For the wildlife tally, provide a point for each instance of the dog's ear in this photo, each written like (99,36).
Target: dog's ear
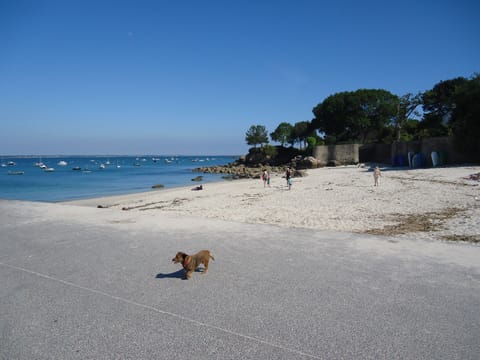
(182,255)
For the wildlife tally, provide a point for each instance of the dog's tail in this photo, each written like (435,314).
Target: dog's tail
(211,256)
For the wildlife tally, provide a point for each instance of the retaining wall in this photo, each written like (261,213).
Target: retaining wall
(393,154)
(344,154)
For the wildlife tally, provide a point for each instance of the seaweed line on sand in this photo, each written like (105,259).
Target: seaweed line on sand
(410,223)
(156,205)
(432,181)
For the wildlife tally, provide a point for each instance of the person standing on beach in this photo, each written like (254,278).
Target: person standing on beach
(376,174)
(288,176)
(266,178)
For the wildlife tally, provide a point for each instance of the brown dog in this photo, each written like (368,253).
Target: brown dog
(191,262)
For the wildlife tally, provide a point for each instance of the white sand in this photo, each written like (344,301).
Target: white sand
(440,202)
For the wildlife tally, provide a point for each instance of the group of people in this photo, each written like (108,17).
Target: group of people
(288,177)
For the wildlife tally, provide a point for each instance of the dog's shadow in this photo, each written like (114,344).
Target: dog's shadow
(180,274)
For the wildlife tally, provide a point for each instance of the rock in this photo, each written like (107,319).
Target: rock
(310,162)
(198,178)
(299,173)
(158,186)
(333,163)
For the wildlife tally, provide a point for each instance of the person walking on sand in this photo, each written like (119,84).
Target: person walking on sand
(288,176)
(376,174)
(266,178)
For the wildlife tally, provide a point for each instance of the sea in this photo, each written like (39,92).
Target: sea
(64,178)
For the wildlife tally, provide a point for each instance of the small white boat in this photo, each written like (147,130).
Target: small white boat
(49,169)
(102,166)
(11,163)
(62,163)
(16,173)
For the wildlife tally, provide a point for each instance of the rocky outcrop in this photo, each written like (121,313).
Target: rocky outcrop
(308,162)
(253,164)
(240,171)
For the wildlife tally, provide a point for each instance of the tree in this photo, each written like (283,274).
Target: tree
(465,119)
(360,115)
(438,106)
(282,133)
(257,134)
(407,107)
(301,132)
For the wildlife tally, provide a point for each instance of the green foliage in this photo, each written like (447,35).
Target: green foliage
(407,107)
(409,130)
(312,141)
(301,130)
(269,151)
(330,140)
(465,119)
(282,133)
(439,101)
(451,107)
(438,106)
(354,116)
(257,134)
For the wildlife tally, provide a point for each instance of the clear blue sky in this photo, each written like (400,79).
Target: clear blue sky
(191,76)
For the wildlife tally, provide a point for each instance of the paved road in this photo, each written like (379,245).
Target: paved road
(76,288)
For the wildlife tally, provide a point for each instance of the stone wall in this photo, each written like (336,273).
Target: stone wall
(379,153)
(390,153)
(343,154)
(426,147)
(393,154)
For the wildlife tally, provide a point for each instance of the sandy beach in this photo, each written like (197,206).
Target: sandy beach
(432,204)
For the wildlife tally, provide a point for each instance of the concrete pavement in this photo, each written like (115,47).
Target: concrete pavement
(99,285)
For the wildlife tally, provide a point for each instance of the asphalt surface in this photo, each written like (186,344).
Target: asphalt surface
(106,289)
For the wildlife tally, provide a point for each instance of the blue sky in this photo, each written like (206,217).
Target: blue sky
(191,76)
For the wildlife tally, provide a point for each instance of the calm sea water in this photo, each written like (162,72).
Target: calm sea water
(99,176)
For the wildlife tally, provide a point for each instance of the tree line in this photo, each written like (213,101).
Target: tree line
(450,108)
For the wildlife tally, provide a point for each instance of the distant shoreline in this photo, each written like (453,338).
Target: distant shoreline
(110,156)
